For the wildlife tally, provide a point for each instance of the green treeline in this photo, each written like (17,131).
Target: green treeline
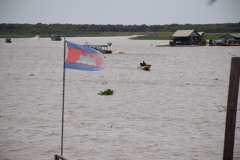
(79,30)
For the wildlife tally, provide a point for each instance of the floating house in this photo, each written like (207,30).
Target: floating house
(233,38)
(188,37)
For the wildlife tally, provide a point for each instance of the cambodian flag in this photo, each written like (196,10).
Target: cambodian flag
(83,58)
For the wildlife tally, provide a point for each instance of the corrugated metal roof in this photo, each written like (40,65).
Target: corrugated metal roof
(182,33)
(237,35)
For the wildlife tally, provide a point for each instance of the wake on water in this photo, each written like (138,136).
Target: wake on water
(37,37)
(120,51)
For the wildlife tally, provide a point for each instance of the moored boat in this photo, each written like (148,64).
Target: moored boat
(102,48)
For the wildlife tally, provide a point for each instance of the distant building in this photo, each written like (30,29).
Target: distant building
(233,38)
(188,37)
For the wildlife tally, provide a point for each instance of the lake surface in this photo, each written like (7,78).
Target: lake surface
(174,111)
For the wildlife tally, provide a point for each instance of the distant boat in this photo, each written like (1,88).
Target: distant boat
(102,48)
(56,37)
(8,40)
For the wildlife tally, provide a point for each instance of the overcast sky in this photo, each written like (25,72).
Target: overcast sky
(126,12)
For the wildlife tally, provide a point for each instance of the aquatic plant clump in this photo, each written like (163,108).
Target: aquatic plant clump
(106,92)
(146,68)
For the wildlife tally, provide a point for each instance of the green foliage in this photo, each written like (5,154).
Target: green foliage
(213,35)
(92,30)
(106,92)
(146,68)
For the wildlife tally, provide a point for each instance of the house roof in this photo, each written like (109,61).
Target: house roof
(236,35)
(184,33)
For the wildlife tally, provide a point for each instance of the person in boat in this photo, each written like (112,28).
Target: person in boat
(143,63)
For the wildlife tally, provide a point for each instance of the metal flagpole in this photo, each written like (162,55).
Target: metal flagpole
(63,94)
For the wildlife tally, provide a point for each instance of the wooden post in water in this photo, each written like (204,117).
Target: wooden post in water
(231,109)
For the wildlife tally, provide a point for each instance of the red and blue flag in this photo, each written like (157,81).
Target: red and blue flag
(83,58)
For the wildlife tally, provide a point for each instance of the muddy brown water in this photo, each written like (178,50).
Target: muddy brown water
(174,111)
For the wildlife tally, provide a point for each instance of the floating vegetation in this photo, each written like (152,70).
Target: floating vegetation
(106,92)
(146,68)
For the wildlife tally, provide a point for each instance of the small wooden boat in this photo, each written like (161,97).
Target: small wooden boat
(145,67)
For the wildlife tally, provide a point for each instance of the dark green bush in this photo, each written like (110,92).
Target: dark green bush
(106,92)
